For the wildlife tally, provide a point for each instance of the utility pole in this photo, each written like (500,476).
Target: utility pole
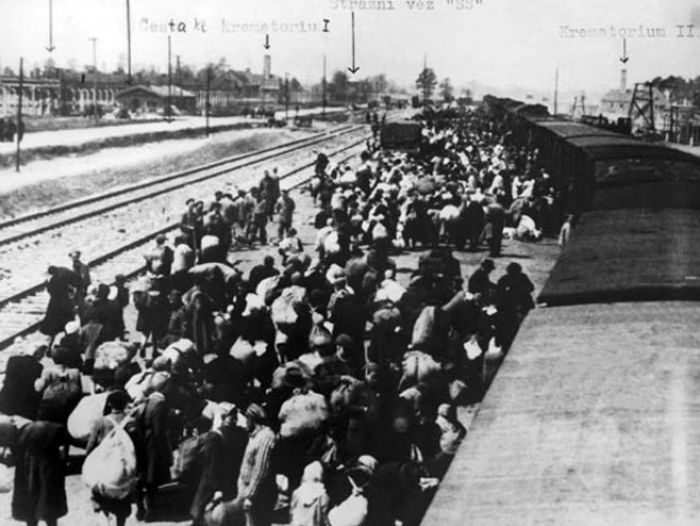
(206,100)
(324,85)
(128,39)
(177,70)
(19,112)
(556,90)
(170,82)
(94,78)
(286,97)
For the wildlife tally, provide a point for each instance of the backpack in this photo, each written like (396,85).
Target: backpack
(187,461)
(110,469)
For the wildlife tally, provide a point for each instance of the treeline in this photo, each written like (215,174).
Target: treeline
(339,86)
(680,90)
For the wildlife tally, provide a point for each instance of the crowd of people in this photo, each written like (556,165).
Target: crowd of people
(315,389)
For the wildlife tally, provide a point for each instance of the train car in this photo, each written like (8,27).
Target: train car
(594,415)
(401,135)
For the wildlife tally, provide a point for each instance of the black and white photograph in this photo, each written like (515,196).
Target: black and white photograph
(350,262)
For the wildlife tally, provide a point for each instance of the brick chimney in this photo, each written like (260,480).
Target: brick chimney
(623,80)
(267,67)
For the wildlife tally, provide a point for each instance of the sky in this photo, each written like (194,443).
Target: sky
(495,43)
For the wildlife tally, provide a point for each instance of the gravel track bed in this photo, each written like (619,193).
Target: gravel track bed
(23,263)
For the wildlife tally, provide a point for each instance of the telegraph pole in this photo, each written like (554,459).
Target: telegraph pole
(94,78)
(128,40)
(324,84)
(206,99)
(286,96)
(19,112)
(168,117)
(556,90)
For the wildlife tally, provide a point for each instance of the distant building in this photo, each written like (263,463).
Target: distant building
(154,99)
(616,103)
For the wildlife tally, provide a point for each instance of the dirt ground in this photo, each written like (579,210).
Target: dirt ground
(536,259)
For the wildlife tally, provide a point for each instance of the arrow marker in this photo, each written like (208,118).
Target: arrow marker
(51,46)
(624,58)
(354,68)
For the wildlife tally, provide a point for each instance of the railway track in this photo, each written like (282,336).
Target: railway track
(22,311)
(19,228)
(108,224)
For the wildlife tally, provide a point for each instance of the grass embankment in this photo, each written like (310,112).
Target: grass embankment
(53,192)
(51,152)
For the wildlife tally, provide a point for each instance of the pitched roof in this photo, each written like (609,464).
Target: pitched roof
(159,91)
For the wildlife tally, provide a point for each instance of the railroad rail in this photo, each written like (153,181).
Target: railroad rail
(22,312)
(19,228)
(115,224)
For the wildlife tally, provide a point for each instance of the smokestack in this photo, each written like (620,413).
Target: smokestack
(267,67)
(623,80)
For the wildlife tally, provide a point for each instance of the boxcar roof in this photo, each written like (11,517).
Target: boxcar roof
(568,129)
(617,146)
(593,418)
(628,255)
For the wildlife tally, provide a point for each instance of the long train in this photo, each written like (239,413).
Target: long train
(594,415)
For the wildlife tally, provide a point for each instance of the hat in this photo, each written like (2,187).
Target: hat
(320,337)
(161,238)
(367,463)
(256,414)
(60,355)
(488,263)
(74,254)
(344,341)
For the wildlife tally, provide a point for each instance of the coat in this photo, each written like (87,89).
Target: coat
(152,421)
(60,308)
(39,483)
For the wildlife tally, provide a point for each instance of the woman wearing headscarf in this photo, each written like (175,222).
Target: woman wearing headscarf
(310,502)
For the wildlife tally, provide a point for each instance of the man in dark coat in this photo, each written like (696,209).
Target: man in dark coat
(479,282)
(261,272)
(219,457)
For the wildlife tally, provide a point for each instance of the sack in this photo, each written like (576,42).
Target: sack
(283,311)
(110,469)
(418,367)
(352,511)
(225,513)
(88,411)
(302,412)
(424,328)
(186,457)
(111,355)
(449,213)
(351,393)
(281,375)
(61,396)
